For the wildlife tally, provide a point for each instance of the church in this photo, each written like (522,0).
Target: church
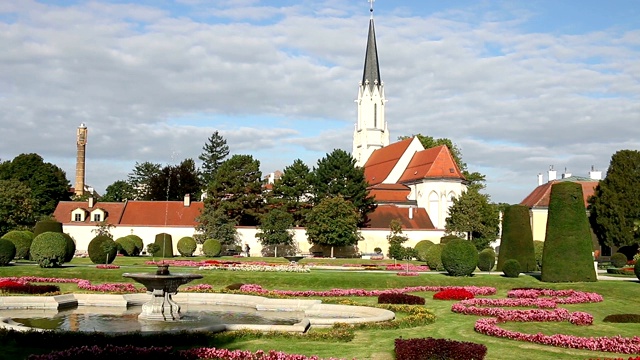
(408,181)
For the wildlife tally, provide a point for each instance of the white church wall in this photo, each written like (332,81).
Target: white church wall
(426,194)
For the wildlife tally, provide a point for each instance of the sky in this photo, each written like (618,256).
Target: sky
(518,86)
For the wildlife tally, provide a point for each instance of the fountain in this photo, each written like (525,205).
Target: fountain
(161,286)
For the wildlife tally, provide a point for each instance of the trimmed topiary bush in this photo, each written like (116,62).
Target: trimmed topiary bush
(623,318)
(70,249)
(44,226)
(433,257)
(137,241)
(459,257)
(22,242)
(49,249)
(102,250)
(511,268)
(445,239)
(618,260)
(567,255)
(212,248)
(421,249)
(486,259)
(126,246)
(517,238)
(187,246)
(7,251)
(636,269)
(165,242)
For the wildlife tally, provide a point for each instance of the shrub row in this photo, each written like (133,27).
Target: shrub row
(21,240)
(430,348)
(7,251)
(622,318)
(405,299)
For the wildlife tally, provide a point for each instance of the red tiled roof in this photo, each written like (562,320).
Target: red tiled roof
(114,211)
(160,213)
(539,197)
(390,193)
(381,162)
(435,162)
(382,216)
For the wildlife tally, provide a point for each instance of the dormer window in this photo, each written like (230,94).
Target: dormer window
(77,217)
(97,217)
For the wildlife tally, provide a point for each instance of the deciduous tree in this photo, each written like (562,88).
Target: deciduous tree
(119,191)
(17,206)
(174,181)
(472,215)
(333,222)
(140,177)
(214,224)
(275,228)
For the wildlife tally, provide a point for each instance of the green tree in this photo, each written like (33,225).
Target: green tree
(337,175)
(103,228)
(474,179)
(396,239)
(567,253)
(214,153)
(48,183)
(615,205)
(118,191)
(275,228)
(472,215)
(517,238)
(333,222)
(293,190)
(214,224)
(174,181)
(236,189)
(140,177)
(17,206)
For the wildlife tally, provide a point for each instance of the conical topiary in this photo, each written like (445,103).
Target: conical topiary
(165,242)
(567,250)
(517,239)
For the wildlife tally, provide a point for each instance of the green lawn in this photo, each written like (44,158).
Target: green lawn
(620,297)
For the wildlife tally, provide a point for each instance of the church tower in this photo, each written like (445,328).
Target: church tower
(81,142)
(370,131)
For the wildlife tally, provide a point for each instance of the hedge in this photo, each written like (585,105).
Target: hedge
(102,250)
(567,254)
(517,238)
(49,249)
(459,257)
(22,242)
(618,260)
(187,246)
(511,268)
(44,226)
(137,241)
(126,246)
(212,248)
(165,242)
(7,251)
(486,259)
(70,249)
(421,249)
(433,257)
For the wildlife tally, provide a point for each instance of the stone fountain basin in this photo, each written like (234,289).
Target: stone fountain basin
(316,313)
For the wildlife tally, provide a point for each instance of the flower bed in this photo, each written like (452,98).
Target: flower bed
(82,284)
(259,290)
(453,294)
(107,266)
(430,348)
(404,273)
(407,267)
(15,287)
(405,299)
(290,267)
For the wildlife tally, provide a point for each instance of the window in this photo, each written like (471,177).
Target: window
(77,217)
(96,217)
(375,116)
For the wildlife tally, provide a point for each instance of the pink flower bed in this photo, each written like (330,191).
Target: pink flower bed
(82,284)
(257,289)
(559,296)
(107,266)
(404,273)
(407,267)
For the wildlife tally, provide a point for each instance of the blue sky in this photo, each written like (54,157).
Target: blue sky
(517,85)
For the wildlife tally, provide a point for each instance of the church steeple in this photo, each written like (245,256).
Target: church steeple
(371,131)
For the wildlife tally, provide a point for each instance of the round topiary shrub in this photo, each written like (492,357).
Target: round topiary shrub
(126,246)
(165,242)
(433,257)
(137,241)
(44,226)
(187,246)
(636,269)
(211,248)
(70,248)
(102,250)
(486,259)
(618,260)
(7,251)
(421,249)
(511,268)
(49,249)
(459,257)
(445,239)
(22,242)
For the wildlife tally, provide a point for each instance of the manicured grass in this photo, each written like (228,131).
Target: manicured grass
(619,297)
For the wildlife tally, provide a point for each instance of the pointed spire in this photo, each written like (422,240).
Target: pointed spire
(371,75)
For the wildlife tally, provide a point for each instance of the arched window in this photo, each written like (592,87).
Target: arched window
(450,198)
(375,116)
(434,209)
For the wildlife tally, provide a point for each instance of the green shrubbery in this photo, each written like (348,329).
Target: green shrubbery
(511,268)
(7,251)
(538,248)
(70,249)
(126,246)
(49,249)
(486,259)
(165,242)
(459,257)
(102,250)
(211,248)
(187,246)
(567,255)
(137,241)
(22,242)
(636,269)
(517,238)
(421,249)
(618,260)
(433,257)
(445,239)
(44,226)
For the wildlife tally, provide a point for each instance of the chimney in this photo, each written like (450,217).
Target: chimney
(411,213)
(90,202)
(552,173)
(81,145)
(595,174)
(539,179)
(187,200)
(566,174)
